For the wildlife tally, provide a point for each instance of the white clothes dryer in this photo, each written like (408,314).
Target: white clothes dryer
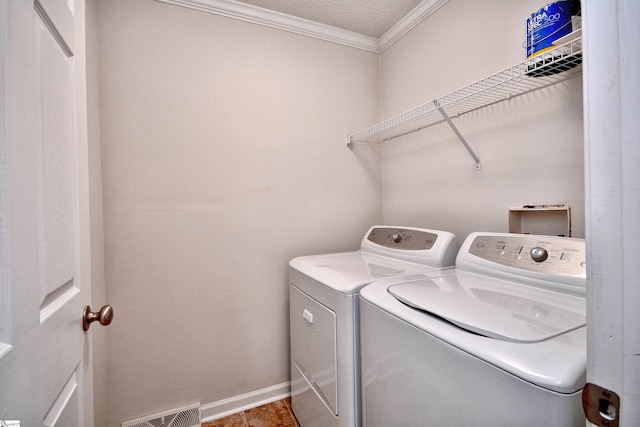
(324,316)
(498,341)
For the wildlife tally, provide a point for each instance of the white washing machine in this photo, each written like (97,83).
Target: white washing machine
(324,316)
(498,341)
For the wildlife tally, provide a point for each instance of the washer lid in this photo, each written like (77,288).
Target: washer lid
(495,308)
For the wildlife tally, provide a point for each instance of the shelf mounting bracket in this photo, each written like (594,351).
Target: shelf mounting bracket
(458,134)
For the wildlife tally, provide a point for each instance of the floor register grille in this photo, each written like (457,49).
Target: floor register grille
(186,416)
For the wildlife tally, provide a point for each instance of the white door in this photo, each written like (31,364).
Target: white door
(45,366)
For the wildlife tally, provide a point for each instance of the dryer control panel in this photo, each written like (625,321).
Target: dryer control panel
(402,238)
(433,248)
(544,254)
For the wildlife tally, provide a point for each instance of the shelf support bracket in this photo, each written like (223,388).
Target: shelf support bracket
(458,134)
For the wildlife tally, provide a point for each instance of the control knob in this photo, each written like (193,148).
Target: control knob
(539,254)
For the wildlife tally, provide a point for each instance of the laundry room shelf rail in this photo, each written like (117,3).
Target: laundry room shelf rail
(549,68)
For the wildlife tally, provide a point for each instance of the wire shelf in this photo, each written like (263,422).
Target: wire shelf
(546,69)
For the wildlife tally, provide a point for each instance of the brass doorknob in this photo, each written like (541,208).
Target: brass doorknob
(104,316)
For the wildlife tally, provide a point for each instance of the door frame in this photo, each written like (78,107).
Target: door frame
(612,180)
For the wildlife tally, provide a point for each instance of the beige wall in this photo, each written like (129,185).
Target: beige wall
(531,148)
(223,157)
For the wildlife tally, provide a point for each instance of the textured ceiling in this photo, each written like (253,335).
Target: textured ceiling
(369,17)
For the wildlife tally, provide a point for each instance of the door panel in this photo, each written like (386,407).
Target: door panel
(65,410)
(56,141)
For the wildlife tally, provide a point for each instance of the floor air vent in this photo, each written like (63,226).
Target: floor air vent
(187,416)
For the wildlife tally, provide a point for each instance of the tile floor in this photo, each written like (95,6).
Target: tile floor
(275,414)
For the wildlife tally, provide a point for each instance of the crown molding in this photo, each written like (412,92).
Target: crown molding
(282,21)
(421,12)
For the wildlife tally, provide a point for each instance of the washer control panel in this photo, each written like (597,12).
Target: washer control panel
(547,254)
(402,238)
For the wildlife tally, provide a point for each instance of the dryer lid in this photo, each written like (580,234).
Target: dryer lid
(348,272)
(495,308)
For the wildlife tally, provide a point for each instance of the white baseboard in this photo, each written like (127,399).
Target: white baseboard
(223,408)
